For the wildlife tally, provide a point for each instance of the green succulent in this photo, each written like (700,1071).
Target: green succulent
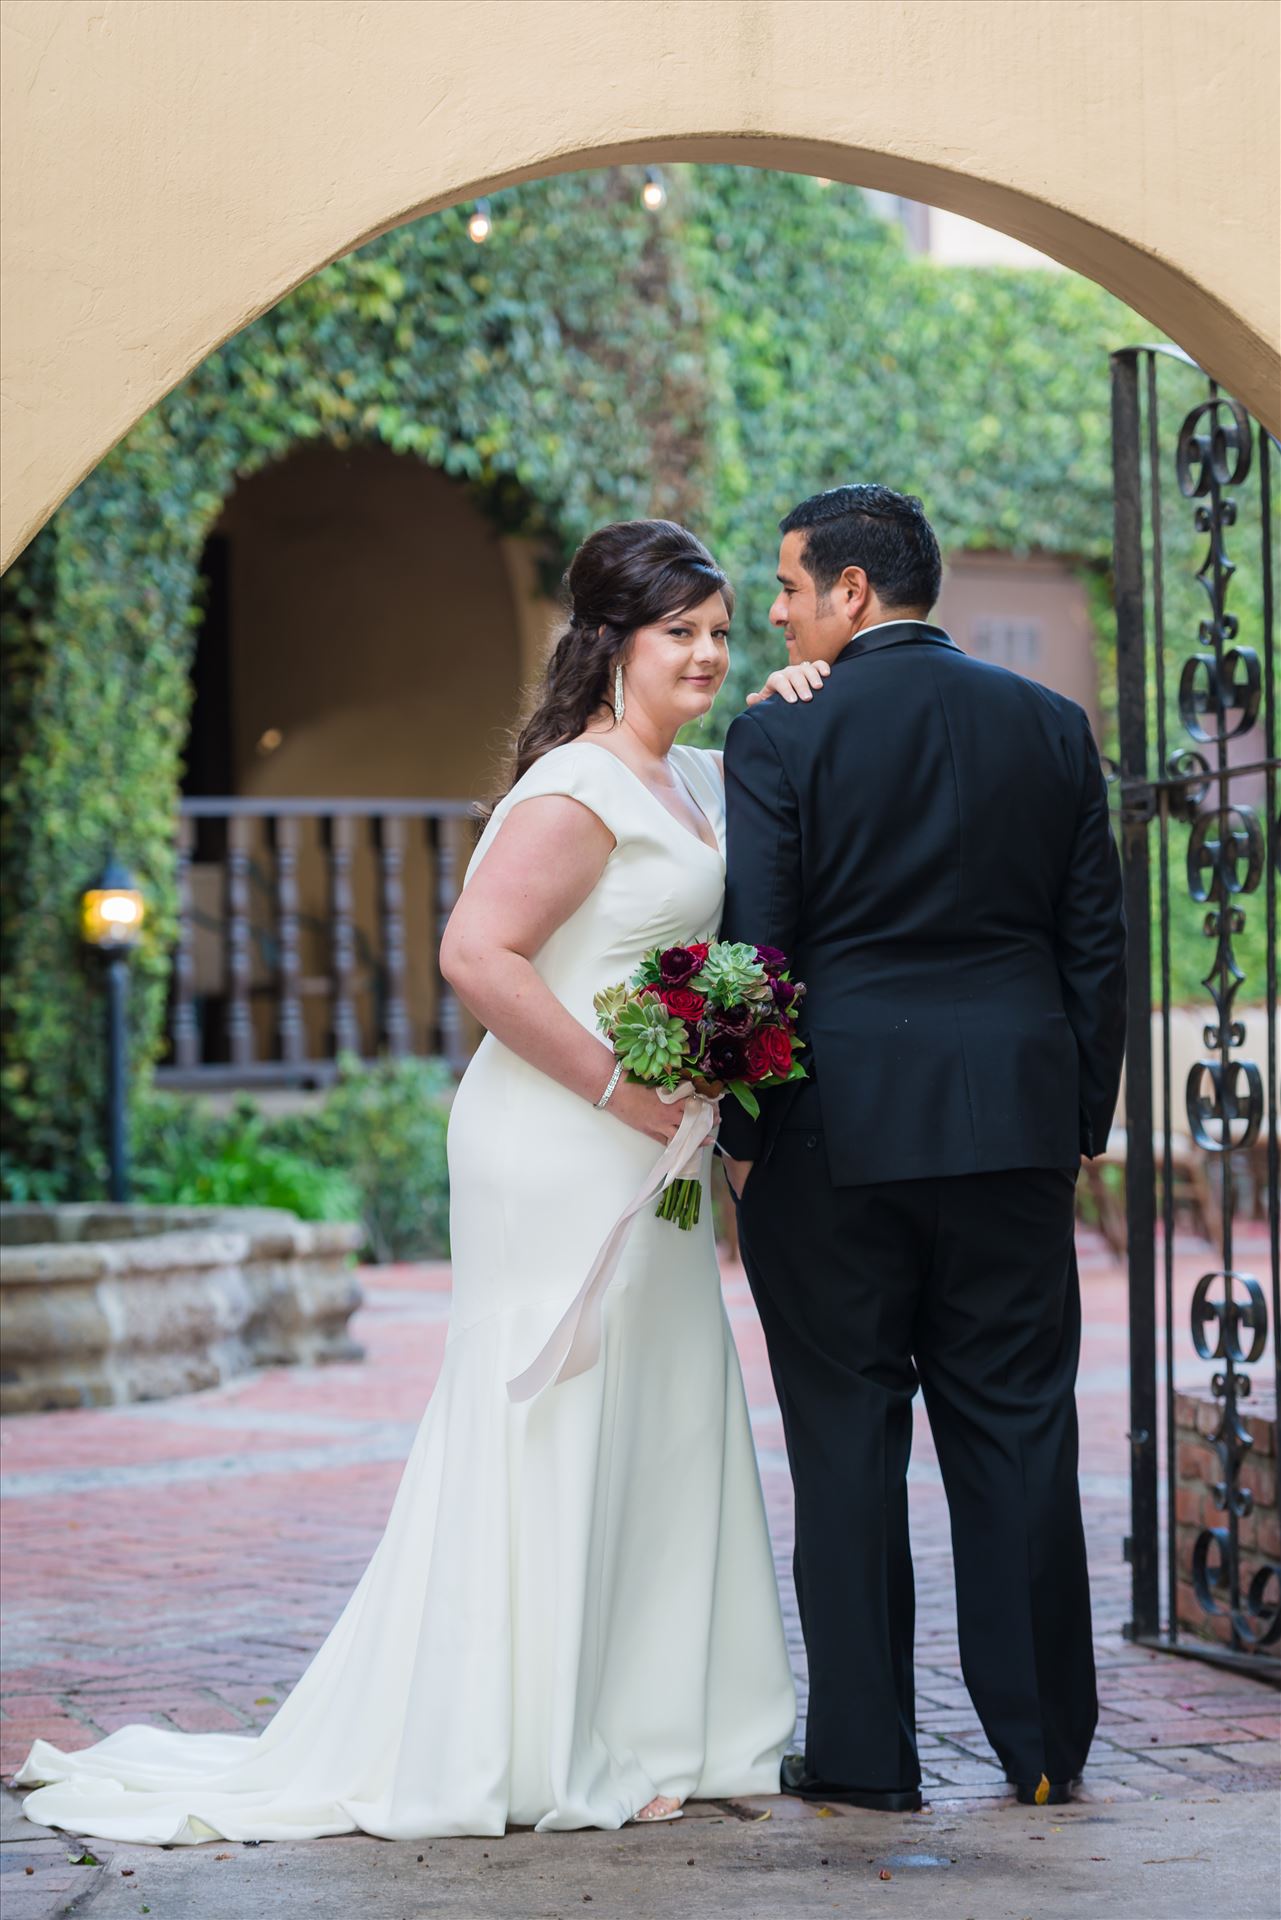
(731,974)
(650,1041)
(609,1004)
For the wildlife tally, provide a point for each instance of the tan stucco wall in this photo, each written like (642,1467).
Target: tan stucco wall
(171,167)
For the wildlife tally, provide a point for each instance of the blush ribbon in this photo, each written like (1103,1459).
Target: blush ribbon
(573,1346)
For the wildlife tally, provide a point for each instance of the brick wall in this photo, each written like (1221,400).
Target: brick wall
(1198,1467)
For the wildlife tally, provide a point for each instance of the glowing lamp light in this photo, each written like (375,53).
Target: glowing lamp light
(653,193)
(112,913)
(481,224)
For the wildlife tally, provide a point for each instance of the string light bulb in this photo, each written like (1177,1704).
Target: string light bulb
(653,193)
(481,224)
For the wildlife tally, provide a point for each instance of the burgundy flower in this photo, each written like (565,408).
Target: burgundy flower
(734,1020)
(725,1058)
(680,964)
(772,959)
(786,994)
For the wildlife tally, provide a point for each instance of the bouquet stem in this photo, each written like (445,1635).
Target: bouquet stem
(681,1203)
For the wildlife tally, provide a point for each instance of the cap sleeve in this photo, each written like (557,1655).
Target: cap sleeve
(590,775)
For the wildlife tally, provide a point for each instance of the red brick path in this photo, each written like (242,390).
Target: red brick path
(179,1562)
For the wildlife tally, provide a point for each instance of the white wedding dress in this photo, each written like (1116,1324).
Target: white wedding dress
(573,1606)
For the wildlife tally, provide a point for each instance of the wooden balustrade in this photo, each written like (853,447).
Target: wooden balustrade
(308,929)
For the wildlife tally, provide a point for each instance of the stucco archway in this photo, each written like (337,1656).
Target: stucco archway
(172,168)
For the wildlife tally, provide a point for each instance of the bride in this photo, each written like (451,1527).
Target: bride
(571,1619)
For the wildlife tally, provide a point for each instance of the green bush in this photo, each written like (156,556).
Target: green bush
(371,1149)
(186,1156)
(383,1127)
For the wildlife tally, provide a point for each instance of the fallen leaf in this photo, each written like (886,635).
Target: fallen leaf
(886,1874)
(126,1873)
(266,1700)
(222,1856)
(84,1859)
(28,1869)
(824,1813)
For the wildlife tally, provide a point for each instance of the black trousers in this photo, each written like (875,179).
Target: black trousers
(968,1285)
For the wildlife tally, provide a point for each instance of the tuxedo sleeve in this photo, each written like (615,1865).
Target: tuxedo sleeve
(763,877)
(1090,941)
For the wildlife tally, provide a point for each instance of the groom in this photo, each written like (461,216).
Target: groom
(928,841)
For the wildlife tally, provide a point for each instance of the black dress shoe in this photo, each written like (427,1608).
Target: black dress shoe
(793,1778)
(1043,1792)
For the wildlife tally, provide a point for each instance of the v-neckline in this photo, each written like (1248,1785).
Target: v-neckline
(700,810)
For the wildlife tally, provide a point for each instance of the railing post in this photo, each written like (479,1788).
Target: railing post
(390,830)
(289,1021)
(1140,1181)
(449,1019)
(185,1032)
(240,1026)
(345,1027)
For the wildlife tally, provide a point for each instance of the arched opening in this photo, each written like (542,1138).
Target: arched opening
(361,620)
(364,637)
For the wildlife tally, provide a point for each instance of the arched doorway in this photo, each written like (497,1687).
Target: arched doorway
(364,639)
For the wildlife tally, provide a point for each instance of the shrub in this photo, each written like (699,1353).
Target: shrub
(383,1125)
(186,1156)
(372,1149)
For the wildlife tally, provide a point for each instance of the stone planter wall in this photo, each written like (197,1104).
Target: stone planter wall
(103,1304)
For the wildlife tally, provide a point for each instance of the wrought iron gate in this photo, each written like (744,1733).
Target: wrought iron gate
(1199,793)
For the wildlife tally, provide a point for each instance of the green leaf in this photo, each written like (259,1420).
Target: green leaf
(745,1097)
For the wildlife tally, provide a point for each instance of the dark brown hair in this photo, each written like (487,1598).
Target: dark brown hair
(623,577)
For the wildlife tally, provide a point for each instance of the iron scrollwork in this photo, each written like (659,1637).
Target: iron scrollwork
(1210,711)
(1220,695)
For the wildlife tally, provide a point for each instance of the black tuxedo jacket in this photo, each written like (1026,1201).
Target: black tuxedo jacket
(928,841)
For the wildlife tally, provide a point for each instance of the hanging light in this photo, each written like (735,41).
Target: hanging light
(481,225)
(653,193)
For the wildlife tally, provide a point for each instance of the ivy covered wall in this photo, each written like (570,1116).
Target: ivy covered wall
(761,338)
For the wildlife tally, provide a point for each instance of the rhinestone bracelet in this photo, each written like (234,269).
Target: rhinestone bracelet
(614,1079)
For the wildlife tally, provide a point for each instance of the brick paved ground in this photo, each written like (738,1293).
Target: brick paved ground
(179,1562)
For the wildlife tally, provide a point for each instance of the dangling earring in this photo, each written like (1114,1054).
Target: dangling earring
(619,708)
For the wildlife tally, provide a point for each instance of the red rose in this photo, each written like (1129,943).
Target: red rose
(769,1052)
(683,1002)
(700,950)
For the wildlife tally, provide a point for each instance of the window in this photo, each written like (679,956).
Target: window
(1008,643)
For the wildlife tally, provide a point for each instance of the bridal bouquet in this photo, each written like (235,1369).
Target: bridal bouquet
(719,1016)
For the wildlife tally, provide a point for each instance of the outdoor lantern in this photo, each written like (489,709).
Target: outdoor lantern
(480,226)
(653,193)
(111,920)
(112,913)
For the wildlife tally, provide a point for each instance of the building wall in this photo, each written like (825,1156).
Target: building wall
(374,628)
(171,169)
(1025,612)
